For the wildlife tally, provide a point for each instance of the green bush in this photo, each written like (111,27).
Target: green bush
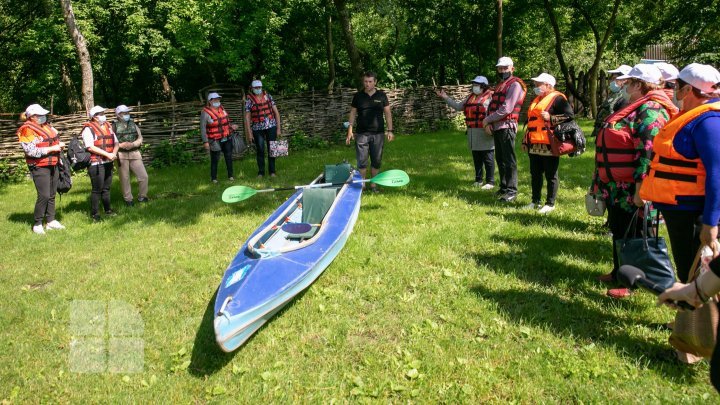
(12,172)
(174,153)
(299,140)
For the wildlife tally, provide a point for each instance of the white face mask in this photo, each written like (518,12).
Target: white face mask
(257,92)
(538,91)
(216,104)
(126,117)
(41,119)
(678,103)
(101,118)
(476,90)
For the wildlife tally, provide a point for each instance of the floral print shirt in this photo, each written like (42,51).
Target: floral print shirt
(643,124)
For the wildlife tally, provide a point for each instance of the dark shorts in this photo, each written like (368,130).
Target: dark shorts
(369,145)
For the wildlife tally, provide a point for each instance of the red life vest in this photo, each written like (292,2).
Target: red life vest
(498,98)
(48,137)
(539,131)
(615,148)
(671,174)
(104,139)
(261,108)
(474,109)
(220,127)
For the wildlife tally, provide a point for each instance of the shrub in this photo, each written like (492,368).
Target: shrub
(12,172)
(299,140)
(175,153)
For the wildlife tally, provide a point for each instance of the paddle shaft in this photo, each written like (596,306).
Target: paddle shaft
(319,185)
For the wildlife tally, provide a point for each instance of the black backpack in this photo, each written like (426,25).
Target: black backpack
(64,180)
(77,155)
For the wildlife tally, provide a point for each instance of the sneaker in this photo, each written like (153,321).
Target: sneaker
(231,178)
(500,193)
(143,199)
(530,206)
(38,229)
(260,176)
(606,278)
(54,224)
(130,203)
(477,184)
(273,175)
(96,218)
(546,209)
(619,293)
(214,181)
(488,186)
(508,198)
(110,213)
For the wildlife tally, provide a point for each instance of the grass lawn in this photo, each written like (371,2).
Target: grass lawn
(441,294)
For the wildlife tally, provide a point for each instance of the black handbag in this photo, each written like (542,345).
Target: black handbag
(648,253)
(569,139)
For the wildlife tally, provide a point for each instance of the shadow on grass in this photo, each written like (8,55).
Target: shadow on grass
(571,318)
(531,218)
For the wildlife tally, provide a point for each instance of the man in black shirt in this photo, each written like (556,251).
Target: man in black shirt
(369,106)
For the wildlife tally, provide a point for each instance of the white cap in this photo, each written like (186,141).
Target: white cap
(256,83)
(122,108)
(504,61)
(644,72)
(35,109)
(95,110)
(702,77)
(213,95)
(669,72)
(545,78)
(480,80)
(622,69)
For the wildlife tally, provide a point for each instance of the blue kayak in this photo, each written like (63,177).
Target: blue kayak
(286,254)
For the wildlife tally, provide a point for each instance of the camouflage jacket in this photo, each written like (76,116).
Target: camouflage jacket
(612,103)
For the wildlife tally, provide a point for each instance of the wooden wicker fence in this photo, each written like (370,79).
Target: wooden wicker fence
(314,114)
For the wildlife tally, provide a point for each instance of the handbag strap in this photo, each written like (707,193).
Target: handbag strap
(694,273)
(633,224)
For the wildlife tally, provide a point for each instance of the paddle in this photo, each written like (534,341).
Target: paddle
(390,178)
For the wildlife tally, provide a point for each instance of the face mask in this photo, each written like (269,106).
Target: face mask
(41,119)
(538,91)
(624,93)
(678,102)
(126,117)
(216,104)
(504,75)
(614,87)
(257,92)
(101,118)
(476,90)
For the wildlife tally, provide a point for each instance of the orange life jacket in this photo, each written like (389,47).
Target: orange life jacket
(498,98)
(104,139)
(539,131)
(220,127)
(49,137)
(671,174)
(261,108)
(474,109)
(615,148)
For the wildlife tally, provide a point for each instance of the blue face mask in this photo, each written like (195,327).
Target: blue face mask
(537,90)
(41,119)
(614,87)
(216,104)
(257,92)
(126,117)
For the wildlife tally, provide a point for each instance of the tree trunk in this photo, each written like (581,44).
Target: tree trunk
(352,50)
(498,8)
(167,89)
(330,52)
(71,98)
(83,55)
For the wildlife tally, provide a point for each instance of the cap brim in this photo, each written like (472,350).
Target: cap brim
(623,77)
(503,64)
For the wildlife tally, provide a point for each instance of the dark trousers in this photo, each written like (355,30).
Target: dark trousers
(544,166)
(715,363)
(505,156)
(101,180)
(45,179)
(684,239)
(262,143)
(619,220)
(484,159)
(226,149)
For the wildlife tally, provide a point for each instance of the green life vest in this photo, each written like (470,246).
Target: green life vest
(125,131)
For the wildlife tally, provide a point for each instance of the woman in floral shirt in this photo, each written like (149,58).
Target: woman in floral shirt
(648,110)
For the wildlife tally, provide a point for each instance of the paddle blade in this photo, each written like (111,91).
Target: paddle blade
(237,193)
(391,178)
(296,227)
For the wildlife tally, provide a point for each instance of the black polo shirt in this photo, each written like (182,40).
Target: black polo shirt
(370,111)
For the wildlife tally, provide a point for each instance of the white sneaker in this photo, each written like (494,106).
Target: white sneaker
(54,224)
(477,184)
(38,229)
(546,209)
(530,206)
(487,187)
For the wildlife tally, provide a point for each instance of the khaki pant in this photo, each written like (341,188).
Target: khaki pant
(138,169)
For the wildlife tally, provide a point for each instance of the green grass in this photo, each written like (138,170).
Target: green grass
(441,294)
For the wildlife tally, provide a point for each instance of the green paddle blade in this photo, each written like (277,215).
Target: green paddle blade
(391,178)
(237,193)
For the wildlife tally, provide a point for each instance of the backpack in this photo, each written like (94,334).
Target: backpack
(64,180)
(77,155)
